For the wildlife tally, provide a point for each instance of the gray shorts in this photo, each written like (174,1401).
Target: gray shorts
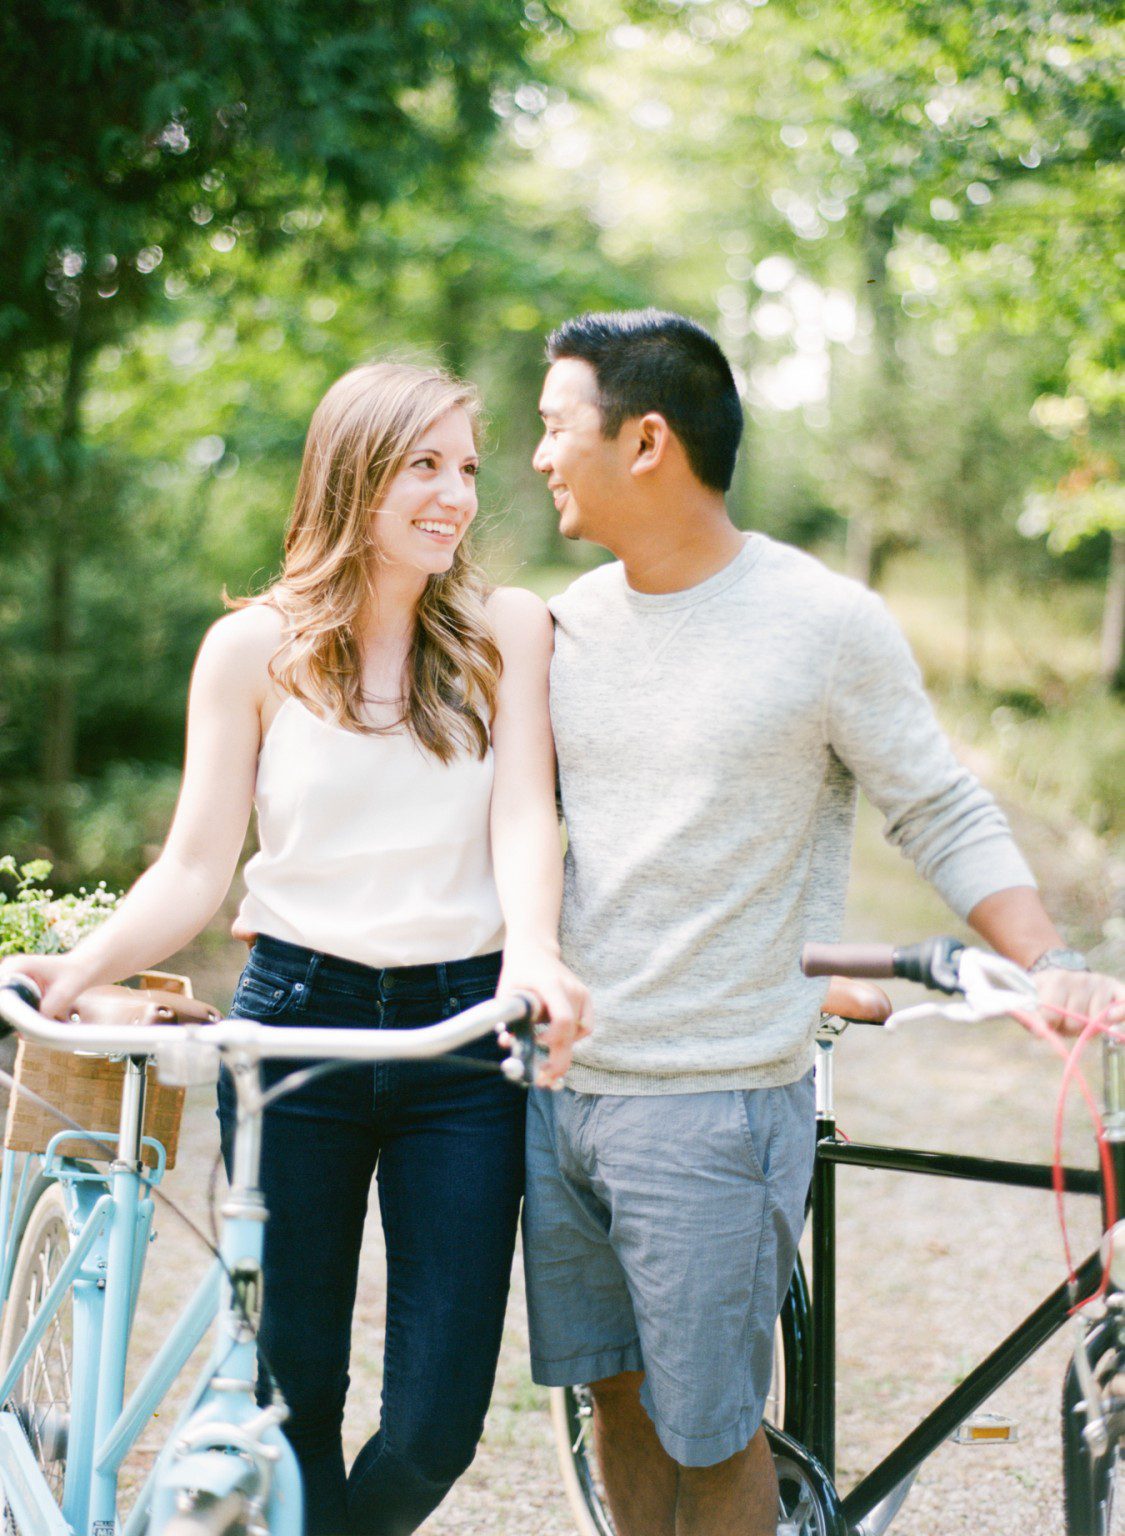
(660,1234)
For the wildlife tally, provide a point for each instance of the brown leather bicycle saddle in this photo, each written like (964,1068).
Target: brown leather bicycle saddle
(133,1005)
(860,1001)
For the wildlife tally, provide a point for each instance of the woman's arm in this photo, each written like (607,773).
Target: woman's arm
(526,848)
(179,894)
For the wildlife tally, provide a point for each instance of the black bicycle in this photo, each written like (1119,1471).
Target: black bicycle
(801,1415)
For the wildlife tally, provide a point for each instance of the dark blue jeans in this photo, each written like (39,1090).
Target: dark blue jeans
(445,1142)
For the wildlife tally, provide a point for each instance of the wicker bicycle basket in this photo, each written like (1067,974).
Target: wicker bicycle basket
(88,1089)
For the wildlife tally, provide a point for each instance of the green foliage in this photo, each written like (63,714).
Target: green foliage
(861,193)
(143,152)
(34,921)
(120,817)
(1067,762)
(1073,514)
(139,138)
(901,221)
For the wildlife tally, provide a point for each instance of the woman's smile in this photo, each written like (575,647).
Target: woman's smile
(442,529)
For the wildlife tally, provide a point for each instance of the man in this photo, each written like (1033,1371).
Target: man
(716,696)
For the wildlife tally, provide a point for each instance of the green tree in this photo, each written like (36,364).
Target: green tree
(138,147)
(952,167)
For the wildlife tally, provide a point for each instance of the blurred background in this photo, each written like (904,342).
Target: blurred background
(901,219)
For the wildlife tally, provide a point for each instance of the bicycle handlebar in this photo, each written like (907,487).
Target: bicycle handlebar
(934,962)
(246,1036)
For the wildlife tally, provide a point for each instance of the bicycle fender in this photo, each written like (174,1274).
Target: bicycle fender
(788,1453)
(214,1472)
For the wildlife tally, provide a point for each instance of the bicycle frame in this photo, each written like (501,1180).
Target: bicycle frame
(873,1501)
(110,1217)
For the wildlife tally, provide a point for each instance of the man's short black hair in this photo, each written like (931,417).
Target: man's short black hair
(653,360)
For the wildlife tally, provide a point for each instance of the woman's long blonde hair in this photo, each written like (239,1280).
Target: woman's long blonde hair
(358,439)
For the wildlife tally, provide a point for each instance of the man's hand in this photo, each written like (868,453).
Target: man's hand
(1016,924)
(1087,993)
(565,1001)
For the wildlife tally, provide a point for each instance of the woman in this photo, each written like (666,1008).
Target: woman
(388,718)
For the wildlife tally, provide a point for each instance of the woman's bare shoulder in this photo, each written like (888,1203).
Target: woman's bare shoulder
(240,646)
(521,624)
(517,611)
(248,630)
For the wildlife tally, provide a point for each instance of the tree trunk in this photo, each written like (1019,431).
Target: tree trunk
(878,242)
(456,311)
(974,611)
(859,549)
(1113,620)
(59,726)
(867,528)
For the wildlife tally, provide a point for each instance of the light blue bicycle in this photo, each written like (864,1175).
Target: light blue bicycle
(73,1239)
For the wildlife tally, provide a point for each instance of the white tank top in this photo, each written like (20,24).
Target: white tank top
(370,848)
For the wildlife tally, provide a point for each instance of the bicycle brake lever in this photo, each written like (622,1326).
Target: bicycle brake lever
(991,987)
(920,1013)
(994,987)
(979,968)
(518,1039)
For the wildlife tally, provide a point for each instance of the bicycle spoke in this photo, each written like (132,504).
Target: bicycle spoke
(64,1355)
(40,1370)
(61,1331)
(55,1348)
(44,1286)
(44,1373)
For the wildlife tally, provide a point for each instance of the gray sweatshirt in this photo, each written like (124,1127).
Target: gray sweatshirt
(710,742)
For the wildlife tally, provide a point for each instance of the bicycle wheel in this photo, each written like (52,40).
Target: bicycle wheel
(572,1417)
(1091,1504)
(40,1398)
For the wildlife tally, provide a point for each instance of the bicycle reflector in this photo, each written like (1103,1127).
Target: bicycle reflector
(985,1429)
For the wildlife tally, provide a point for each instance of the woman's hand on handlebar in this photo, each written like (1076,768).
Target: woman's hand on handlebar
(565,1003)
(60,978)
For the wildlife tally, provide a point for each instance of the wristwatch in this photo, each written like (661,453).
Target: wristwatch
(1060,959)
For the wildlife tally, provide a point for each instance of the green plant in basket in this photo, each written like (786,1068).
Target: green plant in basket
(34,921)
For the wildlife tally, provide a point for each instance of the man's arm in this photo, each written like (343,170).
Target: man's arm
(881,724)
